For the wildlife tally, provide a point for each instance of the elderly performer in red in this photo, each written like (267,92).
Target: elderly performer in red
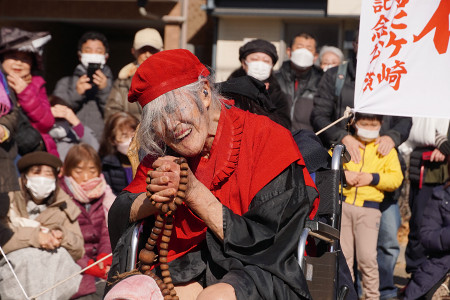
(247,199)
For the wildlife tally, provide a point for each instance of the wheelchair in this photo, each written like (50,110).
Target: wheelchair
(321,269)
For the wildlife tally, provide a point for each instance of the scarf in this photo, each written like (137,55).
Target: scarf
(5,103)
(87,191)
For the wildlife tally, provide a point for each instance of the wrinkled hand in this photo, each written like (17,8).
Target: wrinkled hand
(100,79)
(16,83)
(48,241)
(163,181)
(385,144)
(83,84)
(352,145)
(64,112)
(364,179)
(437,156)
(351,177)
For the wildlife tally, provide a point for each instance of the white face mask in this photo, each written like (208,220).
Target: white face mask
(302,57)
(123,147)
(95,58)
(367,135)
(40,187)
(258,69)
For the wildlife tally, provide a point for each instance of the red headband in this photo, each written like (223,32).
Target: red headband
(163,72)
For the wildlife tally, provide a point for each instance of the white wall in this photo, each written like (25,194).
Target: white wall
(233,32)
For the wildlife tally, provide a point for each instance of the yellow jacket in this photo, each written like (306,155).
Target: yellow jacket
(387,176)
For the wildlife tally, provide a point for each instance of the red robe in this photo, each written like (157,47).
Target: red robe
(247,153)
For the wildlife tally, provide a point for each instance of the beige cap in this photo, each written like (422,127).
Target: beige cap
(147,37)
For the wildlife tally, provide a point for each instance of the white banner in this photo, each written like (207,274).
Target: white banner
(404,58)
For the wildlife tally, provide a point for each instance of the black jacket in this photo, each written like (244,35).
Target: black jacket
(114,173)
(280,113)
(328,108)
(300,100)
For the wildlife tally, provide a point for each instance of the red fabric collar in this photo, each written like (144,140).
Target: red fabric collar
(248,152)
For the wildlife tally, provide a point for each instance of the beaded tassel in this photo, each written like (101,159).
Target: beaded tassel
(164,225)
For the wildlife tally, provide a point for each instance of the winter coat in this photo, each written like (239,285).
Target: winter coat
(328,108)
(114,173)
(90,106)
(8,150)
(277,97)
(435,237)
(386,172)
(300,100)
(118,98)
(96,238)
(61,214)
(34,102)
(66,136)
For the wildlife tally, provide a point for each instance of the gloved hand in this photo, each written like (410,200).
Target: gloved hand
(96,270)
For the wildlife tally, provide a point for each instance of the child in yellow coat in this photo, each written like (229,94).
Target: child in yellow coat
(366,183)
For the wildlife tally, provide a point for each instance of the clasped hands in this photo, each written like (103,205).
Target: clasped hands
(164,179)
(50,240)
(358,179)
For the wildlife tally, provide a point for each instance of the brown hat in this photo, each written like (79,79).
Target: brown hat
(12,38)
(38,158)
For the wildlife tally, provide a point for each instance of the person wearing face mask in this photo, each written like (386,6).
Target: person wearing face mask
(298,78)
(68,129)
(84,182)
(329,57)
(329,105)
(366,183)
(257,59)
(147,42)
(46,238)
(87,96)
(116,166)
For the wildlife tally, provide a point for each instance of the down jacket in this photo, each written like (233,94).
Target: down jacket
(435,237)
(34,102)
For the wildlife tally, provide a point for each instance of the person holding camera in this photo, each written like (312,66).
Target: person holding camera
(87,90)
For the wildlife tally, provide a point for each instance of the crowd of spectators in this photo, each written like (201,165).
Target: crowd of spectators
(66,157)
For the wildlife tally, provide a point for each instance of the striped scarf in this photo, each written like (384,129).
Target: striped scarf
(87,191)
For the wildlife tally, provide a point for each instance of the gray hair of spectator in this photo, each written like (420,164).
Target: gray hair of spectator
(331,49)
(159,113)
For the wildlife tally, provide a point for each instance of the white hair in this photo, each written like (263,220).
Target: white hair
(333,50)
(160,112)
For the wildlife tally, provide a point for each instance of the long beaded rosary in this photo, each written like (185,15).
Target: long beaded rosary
(164,225)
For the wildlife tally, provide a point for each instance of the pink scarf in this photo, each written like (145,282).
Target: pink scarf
(91,190)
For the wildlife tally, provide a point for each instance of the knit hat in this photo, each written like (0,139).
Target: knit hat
(38,158)
(336,51)
(258,45)
(12,38)
(147,37)
(163,72)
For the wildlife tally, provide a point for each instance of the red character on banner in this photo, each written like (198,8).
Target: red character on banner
(394,42)
(401,3)
(377,50)
(380,5)
(398,16)
(380,28)
(392,75)
(440,21)
(368,81)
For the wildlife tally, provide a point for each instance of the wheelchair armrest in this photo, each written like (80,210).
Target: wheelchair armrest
(322,231)
(132,254)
